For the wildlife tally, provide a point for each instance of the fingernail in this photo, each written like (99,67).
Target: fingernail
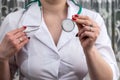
(77,35)
(74,19)
(24,27)
(28,37)
(76,15)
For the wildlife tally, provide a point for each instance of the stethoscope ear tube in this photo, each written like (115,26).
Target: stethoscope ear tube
(32,1)
(80,7)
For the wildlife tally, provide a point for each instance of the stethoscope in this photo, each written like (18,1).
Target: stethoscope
(67,24)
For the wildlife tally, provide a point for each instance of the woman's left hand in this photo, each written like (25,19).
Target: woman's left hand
(88,31)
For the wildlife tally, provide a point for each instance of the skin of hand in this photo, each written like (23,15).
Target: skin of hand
(88,31)
(11,43)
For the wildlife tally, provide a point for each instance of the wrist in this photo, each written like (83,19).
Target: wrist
(4,62)
(2,58)
(90,50)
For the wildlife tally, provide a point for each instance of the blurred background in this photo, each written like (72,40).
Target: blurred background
(109,10)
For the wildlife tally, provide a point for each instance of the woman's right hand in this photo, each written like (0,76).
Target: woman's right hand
(12,43)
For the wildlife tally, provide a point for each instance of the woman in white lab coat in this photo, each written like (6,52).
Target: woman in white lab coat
(43,50)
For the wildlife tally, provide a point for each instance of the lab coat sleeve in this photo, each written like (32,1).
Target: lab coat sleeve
(4,28)
(103,44)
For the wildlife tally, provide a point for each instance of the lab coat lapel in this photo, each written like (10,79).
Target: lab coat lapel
(67,36)
(32,18)
(44,36)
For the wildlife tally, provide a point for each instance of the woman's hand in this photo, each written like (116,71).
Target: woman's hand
(88,31)
(12,43)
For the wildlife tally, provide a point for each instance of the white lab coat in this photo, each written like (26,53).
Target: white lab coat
(40,59)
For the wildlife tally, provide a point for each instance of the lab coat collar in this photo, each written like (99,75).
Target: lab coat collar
(33,17)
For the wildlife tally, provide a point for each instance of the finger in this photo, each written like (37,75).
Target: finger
(87,34)
(19,45)
(24,42)
(18,30)
(83,22)
(20,39)
(20,34)
(86,28)
(80,26)
(80,17)
(83,17)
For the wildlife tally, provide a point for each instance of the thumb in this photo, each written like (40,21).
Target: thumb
(74,19)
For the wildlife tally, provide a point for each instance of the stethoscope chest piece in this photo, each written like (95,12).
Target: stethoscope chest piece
(68,25)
